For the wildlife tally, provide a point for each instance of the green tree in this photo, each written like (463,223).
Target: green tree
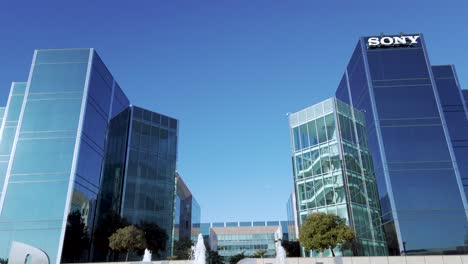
(236,258)
(292,248)
(76,240)
(182,248)
(324,231)
(107,224)
(260,253)
(155,237)
(127,239)
(214,258)
(3,261)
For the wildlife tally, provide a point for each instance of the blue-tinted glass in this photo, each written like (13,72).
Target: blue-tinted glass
(51,115)
(89,163)
(273,223)
(42,163)
(66,78)
(63,56)
(43,156)
(342,90)
(101,68)
(416,143)
(313,139)
(406,102)
(7,140)
(20,194)
(296,139)
(100,91)
(304,136)
(95,126)
(164,121)
(258,223)
(14,108)
(321,130)
(120,101)
(387,64)
(245,223)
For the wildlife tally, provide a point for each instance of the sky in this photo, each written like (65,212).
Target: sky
(230,71)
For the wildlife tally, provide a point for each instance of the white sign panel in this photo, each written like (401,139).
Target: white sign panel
(396,41)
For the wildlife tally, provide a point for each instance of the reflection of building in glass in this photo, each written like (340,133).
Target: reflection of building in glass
(230,240)
(211,241)
(333,171)
(139,172)
(292,223)
(61,130)
(417,133)
(187,213)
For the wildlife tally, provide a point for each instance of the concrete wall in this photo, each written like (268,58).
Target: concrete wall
(345,260)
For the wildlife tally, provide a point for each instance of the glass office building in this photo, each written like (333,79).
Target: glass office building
(58,135)
(187,213)
(139,173)
(292,224)
(416,127)
(230,240)
(210,238)
(333,172)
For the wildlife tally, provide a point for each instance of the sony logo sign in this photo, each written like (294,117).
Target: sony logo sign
(401,41)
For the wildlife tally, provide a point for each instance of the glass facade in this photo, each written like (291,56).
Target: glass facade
(187,213)
(45,151)
(455,112)
(61,130)
(139,178)
(211,239)
(231,241)
(416,140)
(291,223)
(333,172)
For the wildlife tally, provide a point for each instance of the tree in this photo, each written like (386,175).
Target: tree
(182,248)
(3,260)
(155,237)
(260,253)
(127,239)
(324,231)
(236,258)
(292,248)
(107,224)
(76,240)
(214,258)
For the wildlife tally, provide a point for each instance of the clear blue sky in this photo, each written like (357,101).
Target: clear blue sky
(229,71)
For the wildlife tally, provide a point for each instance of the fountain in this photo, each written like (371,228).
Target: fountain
(199,251)
(147,256)
(280,252)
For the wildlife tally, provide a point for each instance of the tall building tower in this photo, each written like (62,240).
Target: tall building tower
(187,213)
(417,133)
(333,172)
(138,182)
(60,130)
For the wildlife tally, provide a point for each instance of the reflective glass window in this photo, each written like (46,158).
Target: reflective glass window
(43,156)
(321,130)
(313,139)
(304,136)
(51,115)
(66,78)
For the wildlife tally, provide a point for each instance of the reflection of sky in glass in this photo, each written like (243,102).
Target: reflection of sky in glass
(330,146)
(38,182)
(417,162)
